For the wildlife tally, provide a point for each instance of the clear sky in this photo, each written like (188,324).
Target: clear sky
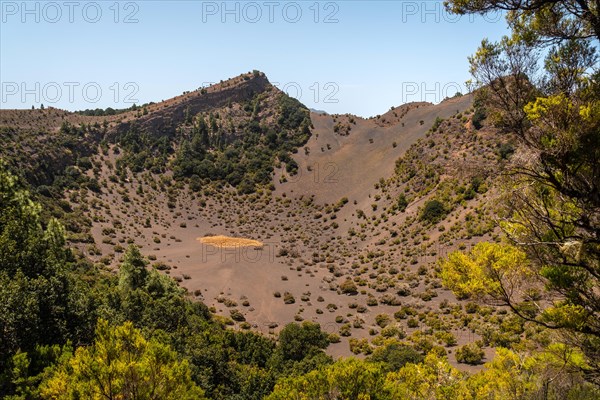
(359,57)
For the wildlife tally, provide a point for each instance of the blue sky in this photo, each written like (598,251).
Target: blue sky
(341,56)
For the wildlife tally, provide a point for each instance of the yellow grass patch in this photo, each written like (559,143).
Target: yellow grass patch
(227,241)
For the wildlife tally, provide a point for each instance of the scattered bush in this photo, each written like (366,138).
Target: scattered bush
(471,354)
(288,298)
(349,287)
(433,211)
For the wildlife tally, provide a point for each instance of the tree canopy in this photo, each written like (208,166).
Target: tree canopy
(553,184)
(122,364)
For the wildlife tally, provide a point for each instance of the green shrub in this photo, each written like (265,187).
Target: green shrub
(396,356)
(382,320)
(471,354)
(236,315)
(505,150)
(345,330)
(348,287)
(478,117)
(402,202)
(433,211)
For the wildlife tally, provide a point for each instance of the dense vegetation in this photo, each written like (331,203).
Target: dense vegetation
(60,159)
(216,151)
(552,277)
(217,147)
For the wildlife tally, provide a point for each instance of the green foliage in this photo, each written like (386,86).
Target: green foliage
(228,363)
(133,273)
(26,371)
(469,354)
(542,375)
(296,342)
(382,320)
(505,150)
(51,162)
(509,376)
(433,211)
(99,112)
(402,202)
(40,301)
(149,299)
(144,150)
(478,117)
(244,157)
(293,115)
(552,197)
(539,21)
(488,271)
(348,287)
(346,379)
(122,364)
(433,378)
(395,355)
(436,124)
(480,113)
